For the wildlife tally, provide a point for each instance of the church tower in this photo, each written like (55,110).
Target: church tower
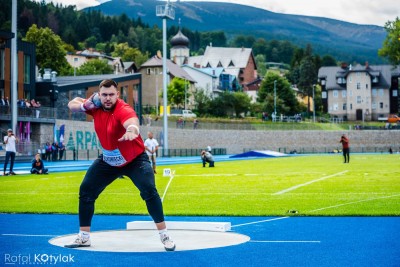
(179,48)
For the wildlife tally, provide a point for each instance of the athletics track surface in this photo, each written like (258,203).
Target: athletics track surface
(274,241)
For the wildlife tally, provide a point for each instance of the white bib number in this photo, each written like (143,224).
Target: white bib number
(113,157)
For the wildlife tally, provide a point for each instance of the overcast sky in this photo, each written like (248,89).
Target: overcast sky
(375,12)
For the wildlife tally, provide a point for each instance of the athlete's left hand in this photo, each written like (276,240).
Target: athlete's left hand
(128,136)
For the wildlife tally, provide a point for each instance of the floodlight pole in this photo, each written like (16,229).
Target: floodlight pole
(166,12)
(313,101)
(185,94)
(14,69)
(274,100)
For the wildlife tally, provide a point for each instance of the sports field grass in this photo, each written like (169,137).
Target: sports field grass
(301,185)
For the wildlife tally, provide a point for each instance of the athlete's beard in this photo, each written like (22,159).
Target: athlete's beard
(108,108)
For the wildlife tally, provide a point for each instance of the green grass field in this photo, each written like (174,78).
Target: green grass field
(311,185)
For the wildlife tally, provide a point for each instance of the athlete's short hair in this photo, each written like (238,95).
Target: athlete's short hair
(108,83)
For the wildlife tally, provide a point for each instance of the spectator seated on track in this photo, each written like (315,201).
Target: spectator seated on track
(38,166)
(206,156)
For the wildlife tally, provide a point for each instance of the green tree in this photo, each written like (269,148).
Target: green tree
(286,99)
(241,103)
(261,65)
(127,53)
(328,60)
(202,101)
(391,45)
(176,92)
(95,66)
(243,41)
(50,52)
(223,105)
(308,74)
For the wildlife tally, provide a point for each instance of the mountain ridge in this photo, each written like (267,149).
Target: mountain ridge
(344,40)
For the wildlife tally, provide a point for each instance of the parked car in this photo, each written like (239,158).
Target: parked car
(186,113)
(392,118)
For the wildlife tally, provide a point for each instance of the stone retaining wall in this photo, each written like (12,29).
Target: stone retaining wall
(238,141)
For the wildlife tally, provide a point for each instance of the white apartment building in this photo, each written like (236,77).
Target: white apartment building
(360,92)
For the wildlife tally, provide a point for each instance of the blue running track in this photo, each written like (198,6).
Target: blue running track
(283,241)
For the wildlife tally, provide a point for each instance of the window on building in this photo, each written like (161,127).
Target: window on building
(27,69)
(148,71)
(323,94)
(351,106)
(366,86)
(335,106)
(394,93)
(374,92)
(76,59)
(1,64)
(373,106)
(230,64)
(350,93)
(350,80)
(358,85)
(358,99)
(335,93)
(124,93)
(344,93)
(381,93)
(344,106)
(381,105)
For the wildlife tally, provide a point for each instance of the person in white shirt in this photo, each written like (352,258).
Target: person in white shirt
(206,156)
(10,141)
(151,146)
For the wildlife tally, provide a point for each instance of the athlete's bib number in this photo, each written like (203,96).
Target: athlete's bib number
(113,157)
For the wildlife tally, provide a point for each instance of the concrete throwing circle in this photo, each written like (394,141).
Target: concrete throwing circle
(149,240)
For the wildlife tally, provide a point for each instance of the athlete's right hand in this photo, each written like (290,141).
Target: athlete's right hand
(93,102)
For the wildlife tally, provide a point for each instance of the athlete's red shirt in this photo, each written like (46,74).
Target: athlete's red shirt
(109,128)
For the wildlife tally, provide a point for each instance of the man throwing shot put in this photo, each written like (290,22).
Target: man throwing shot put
(117,127)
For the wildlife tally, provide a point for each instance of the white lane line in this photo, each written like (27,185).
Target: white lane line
(285,241)
(27,235)
(269,220)
(354,202)
(310,182)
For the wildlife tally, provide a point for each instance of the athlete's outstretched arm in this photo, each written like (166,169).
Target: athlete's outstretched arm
(132,129)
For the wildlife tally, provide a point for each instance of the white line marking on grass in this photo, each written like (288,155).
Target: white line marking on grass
(26,235)
(204,175)
(285,241)
(269,220)
(310,182)
(354,202)
(171,177)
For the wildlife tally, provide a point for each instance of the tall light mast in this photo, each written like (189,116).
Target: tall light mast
(165,12)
